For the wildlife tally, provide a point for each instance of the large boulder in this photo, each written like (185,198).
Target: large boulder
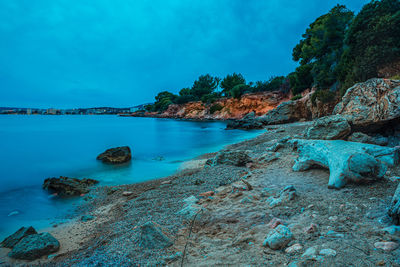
(65,186)
(13,239)
(116,155)
(329,128)
(250,121)
(230,157)
(346,161)
(394,209)
(371,105)
(286,112)
(153,237)
(35,246)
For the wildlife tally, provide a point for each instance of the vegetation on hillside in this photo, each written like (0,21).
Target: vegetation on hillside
(337,50)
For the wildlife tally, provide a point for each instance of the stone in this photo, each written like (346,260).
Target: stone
(274,223)
(312,228)
(153,237)
(35,246)
(227,157)
(294,248)
(394,208)
(310,253)
(328,252)
(278,238)
(286,195)
(65,186)
(346,161)
(116,155)
(361,138)
(190,208)
(386,246)
(12,240)
(329,128)
(393,229)
(371,105)
(248,122)
(269,157)
(334,234)
(127,193)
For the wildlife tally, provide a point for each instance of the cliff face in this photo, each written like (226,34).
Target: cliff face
(260,103)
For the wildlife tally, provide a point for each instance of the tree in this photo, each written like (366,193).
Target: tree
(372,41)
(230,81)
(163,100)
(204,85)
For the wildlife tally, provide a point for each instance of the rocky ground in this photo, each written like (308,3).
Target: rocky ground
(221,220)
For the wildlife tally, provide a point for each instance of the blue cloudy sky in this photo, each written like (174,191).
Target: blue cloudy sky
(81,53)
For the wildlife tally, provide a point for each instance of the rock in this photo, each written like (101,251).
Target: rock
(371,105)
(393,229)
(116,155)
(278,238)
(13,239)
(286,113)
(35,246)
(127,193)
(328,252)
(310,253)
(152,236)
(361,138)
(386,246)
(346,161)
(286,195)
(190,208)
(274,223)
(312,228)
(65,186)
(334,234)
(269,157)
(236,158)
(86,218)
(247,122)
(394,209)
(329,128)
(294,248)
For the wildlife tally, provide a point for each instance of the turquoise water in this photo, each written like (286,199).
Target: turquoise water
(36,147)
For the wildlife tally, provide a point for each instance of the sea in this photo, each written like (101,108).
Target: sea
(35,147)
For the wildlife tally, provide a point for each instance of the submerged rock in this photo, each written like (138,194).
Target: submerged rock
(278,238)
(346,161)
(65,186)
(116,155)
(152,237)
(35,246)
(13,239)
(329,128)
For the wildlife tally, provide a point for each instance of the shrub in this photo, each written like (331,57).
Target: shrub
(296,97)
(216,107)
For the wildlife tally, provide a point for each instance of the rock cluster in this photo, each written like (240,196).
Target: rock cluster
(65,186)
(116,155)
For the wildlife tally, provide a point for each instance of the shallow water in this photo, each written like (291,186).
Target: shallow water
(36,147)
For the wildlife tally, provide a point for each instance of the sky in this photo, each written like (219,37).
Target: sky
(121,53)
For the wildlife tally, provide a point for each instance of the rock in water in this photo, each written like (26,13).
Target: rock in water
(346,161)
(394,209)
(329,128)
(371,104)
(152,237)
(116,155)
(279,237)
(247,122)
(35,246)
(65,186)
(13,239)
(236,158)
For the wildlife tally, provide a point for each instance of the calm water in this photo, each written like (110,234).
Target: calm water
(36,147)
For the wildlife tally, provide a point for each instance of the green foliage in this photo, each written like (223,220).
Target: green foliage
(216,107)
(372,40)
(210,98)
(325,96)
(296,97)
(273,84)
(396,77)
(230,81)
(238,90)
(163,100)
(320,50)
(204,85)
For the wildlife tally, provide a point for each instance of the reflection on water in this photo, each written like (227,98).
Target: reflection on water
(36,147)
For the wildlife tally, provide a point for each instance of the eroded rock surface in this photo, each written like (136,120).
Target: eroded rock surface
(65,186)
(13,239)
(346,161)
(35,246)
(228,157)
(329,128)
(116,155)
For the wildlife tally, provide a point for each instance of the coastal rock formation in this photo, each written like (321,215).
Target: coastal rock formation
(116,155)
(278,238)
(247,122)
(371,105)
(236,158)
(346,161)
(35,246)
(152,236)
(329,128)
(13,239)
(394,209)
(364,138)
(65,186)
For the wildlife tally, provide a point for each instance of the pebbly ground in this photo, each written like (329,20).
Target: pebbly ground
(234,223)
